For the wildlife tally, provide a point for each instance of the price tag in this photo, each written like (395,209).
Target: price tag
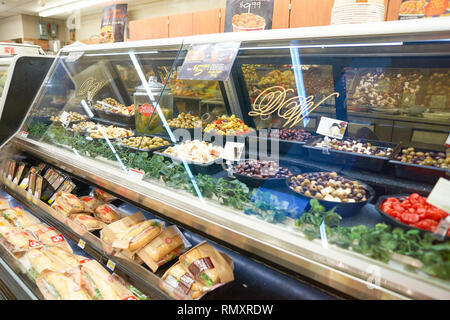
(439,196)
(135,175)
(57,239)
(65,119)
(233,151)
(24,134)
(447,143)
(9,50)
(209,61)
(111,265)
(81,244)
(332,128)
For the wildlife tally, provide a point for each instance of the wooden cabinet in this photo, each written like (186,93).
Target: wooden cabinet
(206,22)
(393,9)
(154,28)
(223,14)
(180,25)
(307,13)
(281,14)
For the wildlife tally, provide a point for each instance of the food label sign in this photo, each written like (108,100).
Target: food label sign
(248,15)
(114,19)
(209,61)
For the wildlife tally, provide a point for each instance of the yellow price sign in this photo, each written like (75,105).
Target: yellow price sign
(200,68)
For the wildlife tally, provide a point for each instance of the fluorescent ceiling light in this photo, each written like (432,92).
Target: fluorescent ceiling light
(69,6)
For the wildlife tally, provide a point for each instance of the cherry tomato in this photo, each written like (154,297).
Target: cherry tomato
(409,218)
(427,224)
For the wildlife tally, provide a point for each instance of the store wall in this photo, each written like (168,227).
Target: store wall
(90,25)
(30,27)
(11,28)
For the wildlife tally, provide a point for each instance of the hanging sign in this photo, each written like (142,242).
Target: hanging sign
(248,15)
(209,61)
(114,19)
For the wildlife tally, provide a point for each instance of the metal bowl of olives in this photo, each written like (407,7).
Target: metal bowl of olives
(332,190)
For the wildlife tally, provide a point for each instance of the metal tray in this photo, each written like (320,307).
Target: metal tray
(196,168)
(418,172)
(352,159)
(344,209)
(392,220)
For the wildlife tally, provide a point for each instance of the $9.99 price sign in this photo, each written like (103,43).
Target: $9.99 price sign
(209,61)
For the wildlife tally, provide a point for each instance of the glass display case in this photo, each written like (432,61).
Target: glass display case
(343,206)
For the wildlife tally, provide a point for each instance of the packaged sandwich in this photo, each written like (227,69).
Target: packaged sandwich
(36,261)
(104,196)
(31,183)
(58,182)
(91,203)
(20,218)
(4,223)
(169,244)
(107,213)
(48,173)
(5,166)
(131,233)
(25,181)
(39,186)
(49,236)
(101,285)
(18,240)
(58,286)
(64,187)
(19,172)
(69,203)
(207,265)
(11,169)
(4,204)
(136,292)
(179,284)
(64,257)
(91,223)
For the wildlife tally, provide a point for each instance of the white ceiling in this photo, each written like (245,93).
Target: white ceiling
(10,8)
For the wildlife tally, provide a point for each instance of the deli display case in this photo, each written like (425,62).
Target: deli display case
(262,203)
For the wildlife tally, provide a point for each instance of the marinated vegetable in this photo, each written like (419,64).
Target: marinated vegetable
(415,212)
(262,169)
(186,121)
(434,159)
(356,146)
(328,186)
(145,143)
(228,126)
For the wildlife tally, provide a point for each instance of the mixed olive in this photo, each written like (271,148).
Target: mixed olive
(434,159)
(145,143)
(293,135)
(185,121)
(357,146)
(262,169)
(328,186)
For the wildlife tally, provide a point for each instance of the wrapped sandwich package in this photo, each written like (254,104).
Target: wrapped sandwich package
(91,203)
(103,196)
(4,204)
(108,213)
(59,286)
(168,245)
(181,285)
(18,240)
(131,233)
(136,292)
(49,236)
(68,203)
(101,285)
(87,221)
(36,261)
(20,218)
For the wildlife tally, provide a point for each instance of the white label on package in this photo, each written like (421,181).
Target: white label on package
(447,143)
(111,265)
(439,196)
(233,151)
(65,119)
(23,134)
(135,175)
(332,127)
(81,244)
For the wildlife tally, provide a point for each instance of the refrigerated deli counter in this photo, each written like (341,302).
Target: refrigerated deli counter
(202,189)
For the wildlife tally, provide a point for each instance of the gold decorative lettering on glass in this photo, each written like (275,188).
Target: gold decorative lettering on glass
(293,110)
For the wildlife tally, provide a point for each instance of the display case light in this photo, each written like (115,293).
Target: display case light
(68,7)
